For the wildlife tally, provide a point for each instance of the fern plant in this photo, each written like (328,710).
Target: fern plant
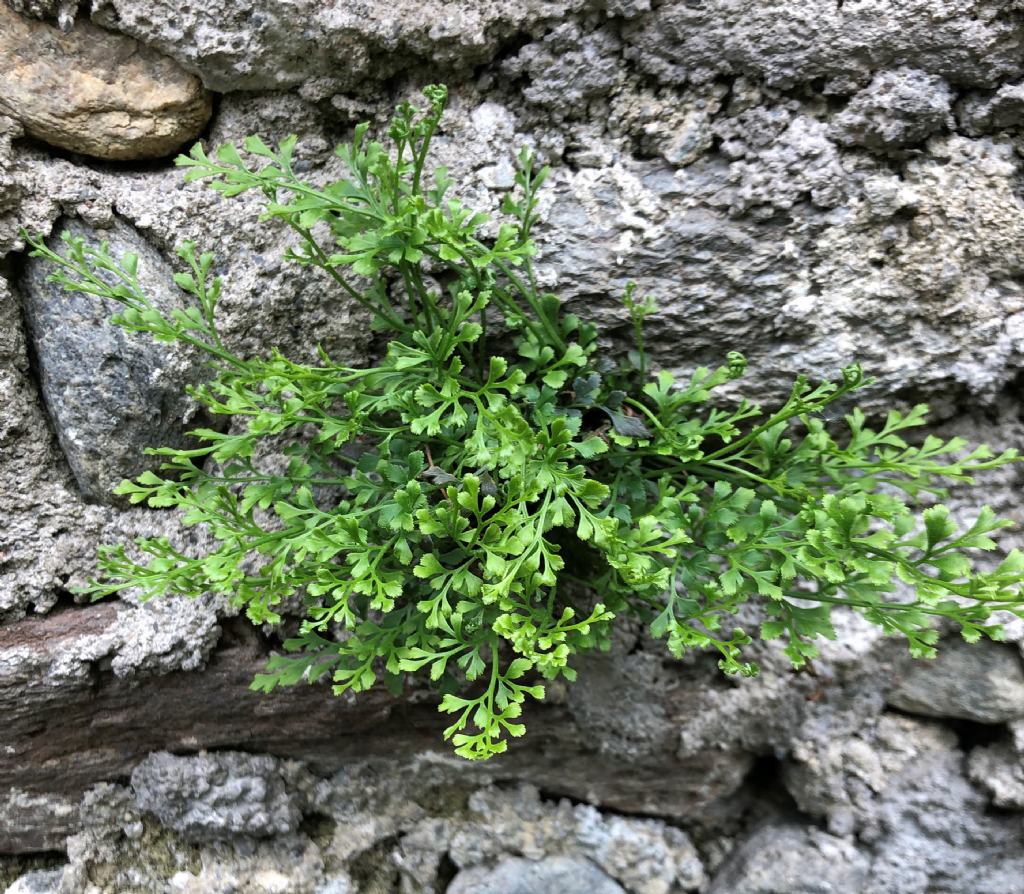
(480,517)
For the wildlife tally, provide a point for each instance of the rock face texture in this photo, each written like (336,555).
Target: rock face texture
(811,183)
(94,92)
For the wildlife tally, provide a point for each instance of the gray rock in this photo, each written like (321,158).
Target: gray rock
(165,635)
(55,675)
(48,544)
(943,322)
(711,714)
(41,881)
(218,795)
(402,825)
(800,164)
(568,68)
(985,113)
(339,885)
(999,769)
(47,532)
(517,876)
(900,785)
(678,128)
(49,536)
(982,682)
(23,203)
(288,864)
(841,766)
(898,108)
(97,93)
(110,393)
(641,726)
(791,859)
(937,836)
(644,856)
(266,301)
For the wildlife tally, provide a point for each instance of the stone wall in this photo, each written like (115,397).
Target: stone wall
(811,181)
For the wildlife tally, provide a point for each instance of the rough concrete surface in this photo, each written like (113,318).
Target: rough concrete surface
(811,183)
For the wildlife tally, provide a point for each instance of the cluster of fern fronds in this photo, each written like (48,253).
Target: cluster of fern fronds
(482,517)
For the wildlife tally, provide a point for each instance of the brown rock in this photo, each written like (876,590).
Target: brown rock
(94,92)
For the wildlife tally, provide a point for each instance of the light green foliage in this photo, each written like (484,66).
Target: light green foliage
(453,511)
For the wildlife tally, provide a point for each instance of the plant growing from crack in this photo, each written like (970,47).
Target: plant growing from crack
(451,511)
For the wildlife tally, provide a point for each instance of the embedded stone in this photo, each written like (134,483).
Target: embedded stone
(97,93)
(217,795)
(1002,110)
(110,393)
(897,109)
(787,857)
(518,876)
(983,682)
(999,769)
